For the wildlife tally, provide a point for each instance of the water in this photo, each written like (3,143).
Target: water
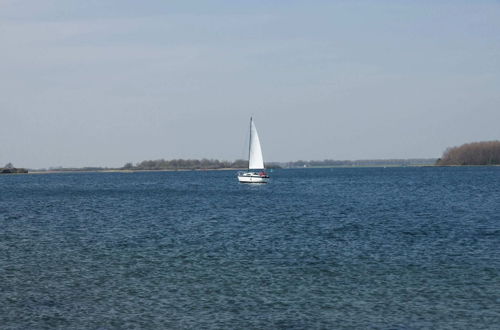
(388,248)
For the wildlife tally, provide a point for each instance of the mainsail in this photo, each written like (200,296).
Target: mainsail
(255,160)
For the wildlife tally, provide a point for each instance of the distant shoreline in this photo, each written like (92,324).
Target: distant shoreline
(38,172)
(128,171)
(214,169)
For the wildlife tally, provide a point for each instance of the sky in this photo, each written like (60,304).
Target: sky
(105,82)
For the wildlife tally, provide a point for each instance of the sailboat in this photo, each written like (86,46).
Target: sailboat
(255,173)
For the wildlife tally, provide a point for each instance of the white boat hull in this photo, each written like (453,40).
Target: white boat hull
(252,178)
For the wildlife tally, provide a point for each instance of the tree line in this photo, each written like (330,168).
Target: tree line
(9,168)
(475,153)
(185,164)
(362,162)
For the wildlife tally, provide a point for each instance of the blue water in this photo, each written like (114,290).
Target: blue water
(387,248)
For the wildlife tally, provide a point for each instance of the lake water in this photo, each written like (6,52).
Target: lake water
(388,248)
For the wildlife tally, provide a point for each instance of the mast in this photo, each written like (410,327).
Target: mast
(250,144)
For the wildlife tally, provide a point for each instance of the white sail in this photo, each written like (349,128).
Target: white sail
(255,160)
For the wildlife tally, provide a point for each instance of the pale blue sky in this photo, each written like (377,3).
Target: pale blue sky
(101,83)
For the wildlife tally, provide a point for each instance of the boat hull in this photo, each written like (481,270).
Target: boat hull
(252,178)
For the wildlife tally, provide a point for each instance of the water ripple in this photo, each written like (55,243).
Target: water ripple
(396,248)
